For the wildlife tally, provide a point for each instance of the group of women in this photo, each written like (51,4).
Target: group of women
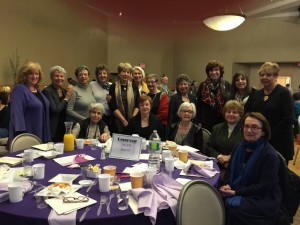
(134,105)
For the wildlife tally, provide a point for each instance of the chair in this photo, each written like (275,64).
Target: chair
(25,140)
(206,135)
(200,203)
(3,146)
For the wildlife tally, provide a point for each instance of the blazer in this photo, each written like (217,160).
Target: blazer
(194,137)
(57,112)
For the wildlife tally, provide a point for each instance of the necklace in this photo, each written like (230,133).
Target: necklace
(153,96)
(266,97)
(124,87)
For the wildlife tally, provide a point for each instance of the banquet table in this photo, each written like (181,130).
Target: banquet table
(27,213)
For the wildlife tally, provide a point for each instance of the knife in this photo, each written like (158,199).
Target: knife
(84,214)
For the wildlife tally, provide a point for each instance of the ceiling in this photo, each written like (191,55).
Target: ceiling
(170,12)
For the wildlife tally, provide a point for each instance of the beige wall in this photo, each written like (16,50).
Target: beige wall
(69,34)
(51,32)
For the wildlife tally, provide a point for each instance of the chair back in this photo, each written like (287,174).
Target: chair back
(23,141)
(200,203)
(206,135)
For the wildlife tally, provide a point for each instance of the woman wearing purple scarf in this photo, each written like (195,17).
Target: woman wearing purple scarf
(252,191)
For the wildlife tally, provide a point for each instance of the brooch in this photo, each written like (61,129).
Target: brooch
(266,97)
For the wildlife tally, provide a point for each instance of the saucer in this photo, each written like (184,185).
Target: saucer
(86,183)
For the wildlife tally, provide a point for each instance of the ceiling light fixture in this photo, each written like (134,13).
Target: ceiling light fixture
(224,22)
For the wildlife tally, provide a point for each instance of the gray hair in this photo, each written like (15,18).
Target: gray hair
(183,77)
(96,105)
(187,105)
(57,68)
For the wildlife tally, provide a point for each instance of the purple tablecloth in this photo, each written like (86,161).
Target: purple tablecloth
(26,212)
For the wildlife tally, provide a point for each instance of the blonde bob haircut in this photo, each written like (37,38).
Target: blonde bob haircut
(124,67)
(269,68)
(233,104)
(139,69)
(28,68)
(187,105)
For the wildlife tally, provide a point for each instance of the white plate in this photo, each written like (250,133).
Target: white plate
(68,178)
(46,192)
(86,183)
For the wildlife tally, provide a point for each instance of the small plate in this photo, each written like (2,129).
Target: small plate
(68,178)
(86,183)
(46,192)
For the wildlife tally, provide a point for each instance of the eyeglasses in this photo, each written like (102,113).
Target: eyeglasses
(252,127)
(187,111)
(75,200)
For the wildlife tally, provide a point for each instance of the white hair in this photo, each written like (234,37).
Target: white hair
(187,105)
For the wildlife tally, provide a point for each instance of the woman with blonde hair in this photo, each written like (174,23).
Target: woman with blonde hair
(276,104)
(138,75)
(28,106)
(226,135)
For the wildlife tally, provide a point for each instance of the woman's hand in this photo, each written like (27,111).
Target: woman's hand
(104,137)
(125,123)
(108,98)
(226,191)
(223,159)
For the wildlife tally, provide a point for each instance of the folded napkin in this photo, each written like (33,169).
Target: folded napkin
(194,169)
(73,159)
(197,156)
(164,193)
(26,185)
(68,219)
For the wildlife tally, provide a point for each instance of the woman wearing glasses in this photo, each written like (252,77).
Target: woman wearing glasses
(251,190)
(160,106)
(185,132)
(276,104)
(225,136)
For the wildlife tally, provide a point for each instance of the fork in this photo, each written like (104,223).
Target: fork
(89,188)
(102,202)
(108,203)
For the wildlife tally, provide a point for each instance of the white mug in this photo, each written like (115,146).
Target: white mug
(166,154)
(38,171)
(150,172)
(104,182)
(169,164)
(15,192)
(59,148)
(79,143)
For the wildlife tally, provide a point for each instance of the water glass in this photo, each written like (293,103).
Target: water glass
(27,163)
(123,199)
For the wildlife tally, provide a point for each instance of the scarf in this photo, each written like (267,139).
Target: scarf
(105,86)
(130,102)
(213,94)
(240,171)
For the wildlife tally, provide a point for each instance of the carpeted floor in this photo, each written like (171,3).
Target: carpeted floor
(296,169)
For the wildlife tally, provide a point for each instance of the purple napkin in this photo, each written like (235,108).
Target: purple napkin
(68,219)
(164,194)
(198,170)
(197,156)
(149,202)
(26,185)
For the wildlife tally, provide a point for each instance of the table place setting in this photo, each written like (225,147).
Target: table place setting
(73,159)
(62,207)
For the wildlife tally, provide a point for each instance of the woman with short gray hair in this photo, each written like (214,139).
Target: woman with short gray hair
(92,127)
(58,98)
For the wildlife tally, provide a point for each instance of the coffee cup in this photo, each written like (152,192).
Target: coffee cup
(15,192)
(183,155)
(38,171)
(166,154)
(104,182)
(59,148)
(169,164)
(79,143)
(136,180)
(110,170)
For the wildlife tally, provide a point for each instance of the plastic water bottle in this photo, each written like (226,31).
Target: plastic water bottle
(154,151)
